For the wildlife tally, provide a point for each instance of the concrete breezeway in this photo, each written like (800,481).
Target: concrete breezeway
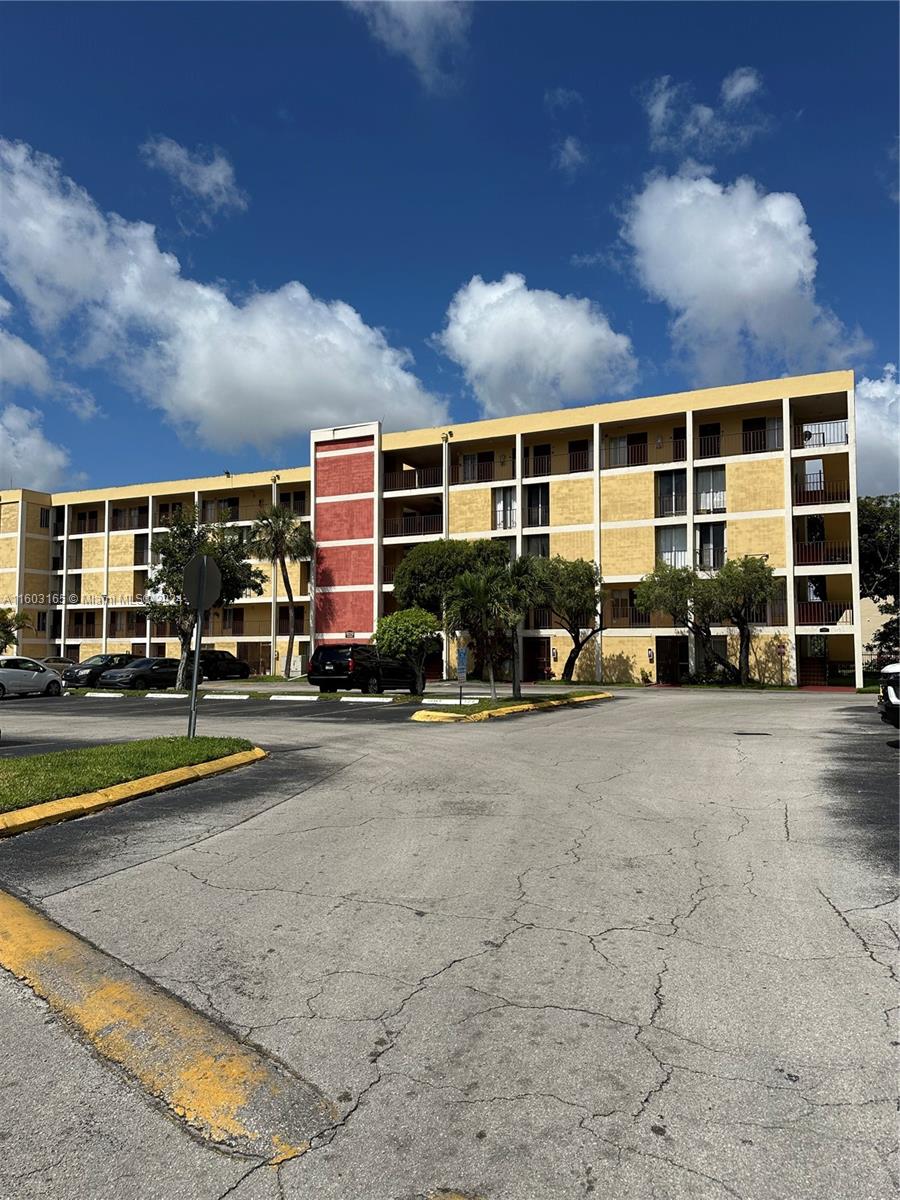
(641,949)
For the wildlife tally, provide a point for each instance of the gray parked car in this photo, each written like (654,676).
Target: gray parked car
(19,676)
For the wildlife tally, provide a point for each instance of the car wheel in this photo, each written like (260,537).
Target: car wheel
(52,688)
(323,687)
(2,691)
(371,686)
(245,673)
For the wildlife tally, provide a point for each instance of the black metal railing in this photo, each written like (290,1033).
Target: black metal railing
(411,478)
(661,450)
(504,519)
(537,515)
(824,612)
(710,558)
(413,524)
(821,553)
(811,434)
(672,505)
(709,502)
(749,441)
(483,472)
(625,616)
(816,489)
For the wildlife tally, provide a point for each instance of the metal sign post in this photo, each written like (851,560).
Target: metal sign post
(202,587)
(462,662)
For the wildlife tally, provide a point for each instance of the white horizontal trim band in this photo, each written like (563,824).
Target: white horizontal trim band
(348,587)
(347,496)
(347,542)
(320,453)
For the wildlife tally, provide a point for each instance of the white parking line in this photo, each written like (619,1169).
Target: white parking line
(315,699)
(106,695)
(225,696)
(454,703)
(366,700)
(167,696)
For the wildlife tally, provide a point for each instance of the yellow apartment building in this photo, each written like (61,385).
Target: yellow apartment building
(765,468)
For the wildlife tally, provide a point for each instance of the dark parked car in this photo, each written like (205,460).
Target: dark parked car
(58,662)
(146,673)
(86,674)
(220,664)
(344,667)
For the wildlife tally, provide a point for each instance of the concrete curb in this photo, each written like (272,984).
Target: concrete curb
(491,713)
(48,813)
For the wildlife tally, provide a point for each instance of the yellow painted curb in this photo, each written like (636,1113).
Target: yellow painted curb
(224,1089)
(51,811)
(490,714)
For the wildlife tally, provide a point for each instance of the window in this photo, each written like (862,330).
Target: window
(710,489)
(86,522)
(711,545)
(580,455)
(284,614)
(295,501)
(709,440)
(537,459)
(537,544)
(45,518)
(671,545)
(233,621)
(41,622)
(537,504)
(760,434)
(167,510)
(671,493)
(504,508)
(478,467)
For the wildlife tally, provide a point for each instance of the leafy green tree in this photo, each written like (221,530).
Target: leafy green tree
(522,585)
(479,602)
(688,598)
(410,633)
(739,588)
(428,572)
(574,591)
(186,536)
(879,567)
(10,624)
(279,536)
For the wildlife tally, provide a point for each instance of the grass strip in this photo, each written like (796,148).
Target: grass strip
(37,778)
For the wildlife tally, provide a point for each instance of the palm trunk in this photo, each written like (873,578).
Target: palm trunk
(286,578)
(493,681)
(516,674)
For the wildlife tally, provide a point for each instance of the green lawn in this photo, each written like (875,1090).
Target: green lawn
(39,777)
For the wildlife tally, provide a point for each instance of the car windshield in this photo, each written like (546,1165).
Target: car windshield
(97,660)
(138,662)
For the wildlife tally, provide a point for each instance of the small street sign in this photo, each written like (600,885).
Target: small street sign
(202,581)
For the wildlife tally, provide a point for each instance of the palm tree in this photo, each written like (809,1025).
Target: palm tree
(279,536)
(478,602)
(525,587)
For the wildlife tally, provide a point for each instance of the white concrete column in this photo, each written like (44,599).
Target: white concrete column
(64,619)
(854,537)
(105,617)
(378,531)
(517,482)
(689,506)
(790,583)
(273,610)
(445,504)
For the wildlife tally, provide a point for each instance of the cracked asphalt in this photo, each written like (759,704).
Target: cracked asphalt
(643,950)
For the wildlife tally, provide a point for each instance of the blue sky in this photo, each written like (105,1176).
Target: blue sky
(225,224)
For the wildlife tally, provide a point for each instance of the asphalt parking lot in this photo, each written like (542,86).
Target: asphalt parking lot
(642,949)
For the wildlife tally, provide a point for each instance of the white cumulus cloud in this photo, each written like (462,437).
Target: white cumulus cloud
(678,123)
(561,97)
(21,366)
(231,371)
(523,349)
(205,176)
(736,267)
(431,34)
(27,457)
(877,422)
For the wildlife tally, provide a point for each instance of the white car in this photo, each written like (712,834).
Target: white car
(889,694)
(19,676)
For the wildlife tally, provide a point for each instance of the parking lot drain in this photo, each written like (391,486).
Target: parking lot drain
(230,1093)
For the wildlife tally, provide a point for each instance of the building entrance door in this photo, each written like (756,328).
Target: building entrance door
(535,659)
(671,659)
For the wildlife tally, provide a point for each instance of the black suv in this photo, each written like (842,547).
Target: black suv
(333,668)
(220,664)
(86,674)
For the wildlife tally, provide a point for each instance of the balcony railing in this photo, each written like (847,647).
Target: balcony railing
(121,520)
(666,450)
(503,520)
(569,463)
(751,441)
(412,477)
(824,612)
(710,558)
(821,553)
(413,525)
(709,502)
(671,505)
(483,472)
(387,572)
(537,516)
(626,616)
(816,489)
(773,613)
(539,617)
(811,434)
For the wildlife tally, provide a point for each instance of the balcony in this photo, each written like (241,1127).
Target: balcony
(413,525)
(821,554)
(673,505)
(626,616)
(129,519)
(482,472)
(663,450)
(709,502)
(559,464)
(773,613)
(824,612)
(751,441)
(816,489)
(812,434)
(412,478)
